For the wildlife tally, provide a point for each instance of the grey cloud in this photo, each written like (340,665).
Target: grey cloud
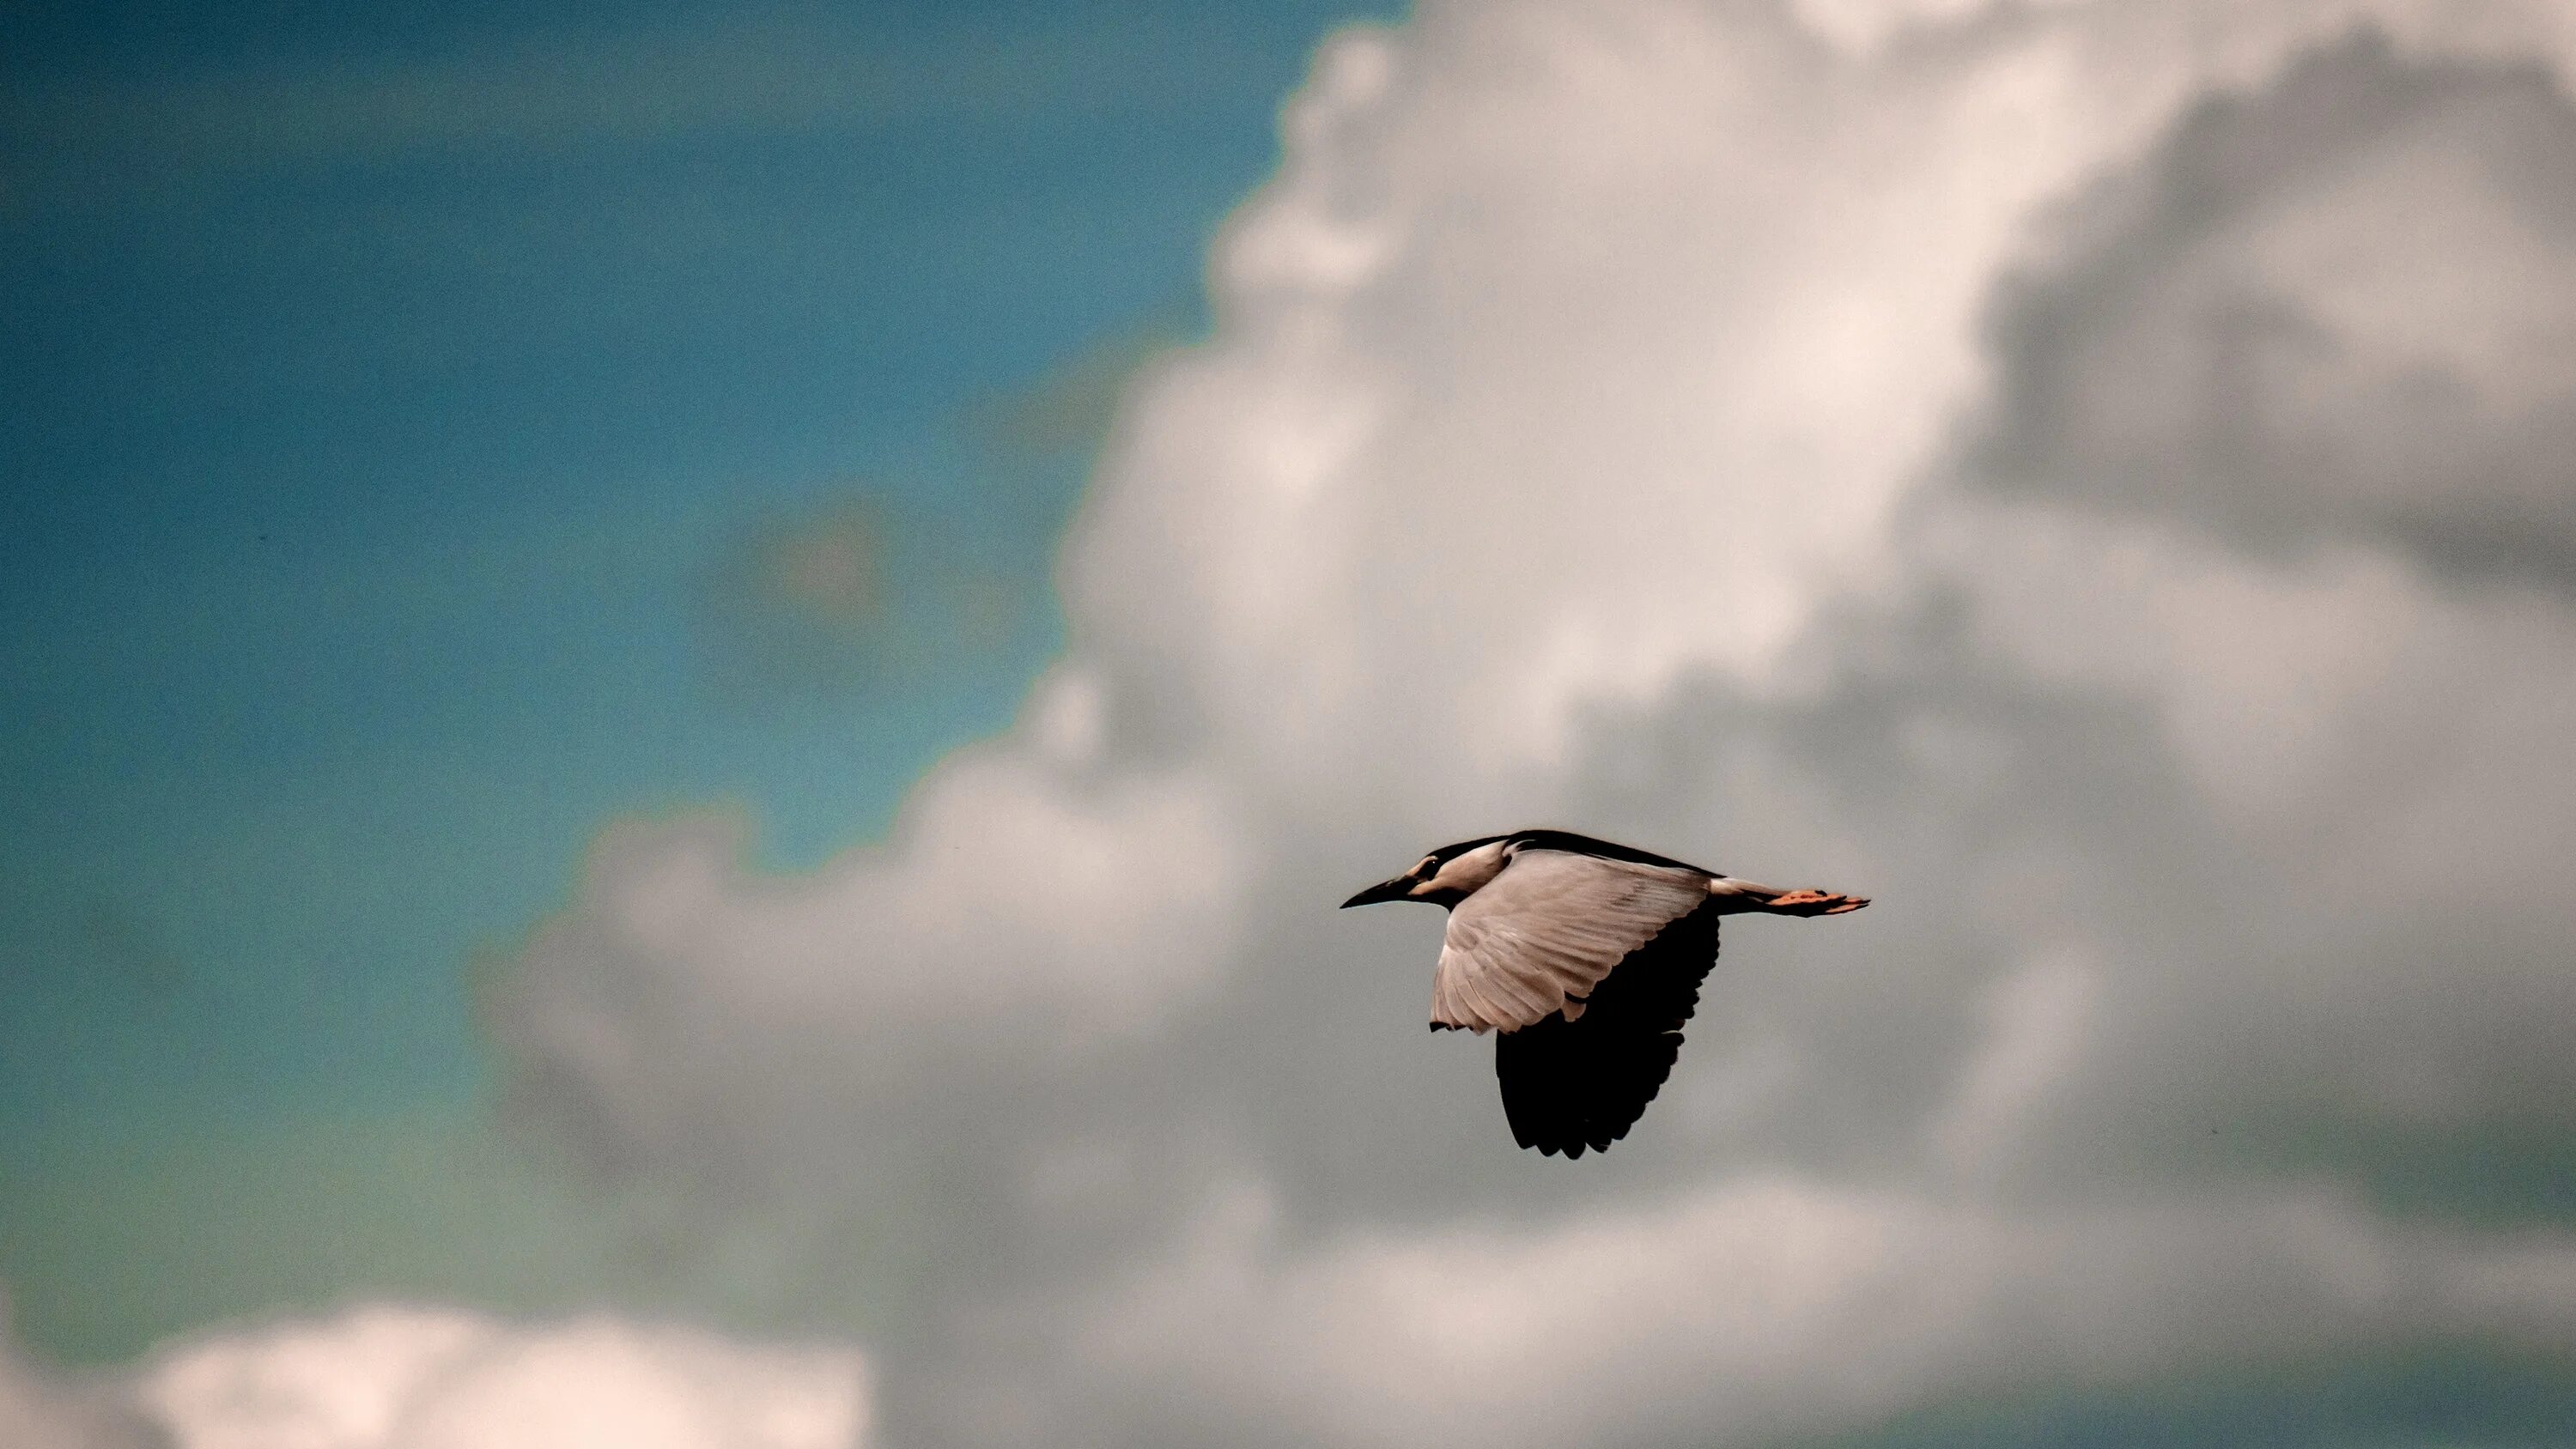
(811,601)
(2315,322)
(2405,1400)
(1576,446)
(861,592)
(2343,306)
(1758,1310)
(2314,935)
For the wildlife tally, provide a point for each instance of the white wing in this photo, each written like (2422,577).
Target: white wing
(1543,933)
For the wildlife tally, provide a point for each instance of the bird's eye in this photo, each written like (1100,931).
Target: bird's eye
(1430,867)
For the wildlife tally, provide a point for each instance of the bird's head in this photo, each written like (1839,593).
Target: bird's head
(1443,878)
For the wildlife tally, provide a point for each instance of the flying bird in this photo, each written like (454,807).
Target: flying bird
(1587,958)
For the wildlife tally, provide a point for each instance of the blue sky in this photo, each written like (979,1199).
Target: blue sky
(426,434)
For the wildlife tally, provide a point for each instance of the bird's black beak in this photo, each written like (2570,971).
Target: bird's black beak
(1385,890)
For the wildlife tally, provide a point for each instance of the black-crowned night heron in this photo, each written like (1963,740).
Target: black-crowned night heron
(1586,957)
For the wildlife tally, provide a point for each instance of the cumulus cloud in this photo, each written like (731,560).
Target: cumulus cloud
(2090,476)
(385,1377)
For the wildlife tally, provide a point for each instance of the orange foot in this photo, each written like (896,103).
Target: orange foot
(1814,903)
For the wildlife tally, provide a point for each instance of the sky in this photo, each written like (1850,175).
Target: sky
(699,684)
(431,435)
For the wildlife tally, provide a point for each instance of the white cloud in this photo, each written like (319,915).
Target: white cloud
(388,1377)
(1095,907)
(1819,455)
(1865,26)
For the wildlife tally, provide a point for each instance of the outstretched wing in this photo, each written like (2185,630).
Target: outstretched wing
(1537,938)
(1573,1084)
